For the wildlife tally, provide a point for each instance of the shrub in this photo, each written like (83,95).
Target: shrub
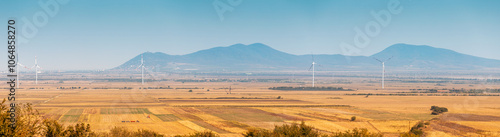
(438,110)
(29,123)
(200,134)
(28,120)
(123,132)
(356,133)
(257,133)
(302,130)
(294,130)
(353,118)
(52,128)
(416,130)
(79,130)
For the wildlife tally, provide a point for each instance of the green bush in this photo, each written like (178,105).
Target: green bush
(438,110)
(416,130)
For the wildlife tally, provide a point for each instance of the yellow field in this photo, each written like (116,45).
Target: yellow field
(252,105)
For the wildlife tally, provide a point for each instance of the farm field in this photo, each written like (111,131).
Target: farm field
(189,107)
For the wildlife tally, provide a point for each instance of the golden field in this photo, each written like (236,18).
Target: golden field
(177,111)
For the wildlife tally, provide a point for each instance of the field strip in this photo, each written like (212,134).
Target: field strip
(210,127)
(72,116)
(218,123)
(192,126)
(326,126)
(261,106)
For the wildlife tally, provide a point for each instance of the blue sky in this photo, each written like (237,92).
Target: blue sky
(101,34)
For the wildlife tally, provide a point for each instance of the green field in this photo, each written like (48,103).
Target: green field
(125,111)
(167,117)
(72,115)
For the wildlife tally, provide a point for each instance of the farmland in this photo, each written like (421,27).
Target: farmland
(187,107)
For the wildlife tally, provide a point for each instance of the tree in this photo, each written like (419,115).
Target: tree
(353,118)
(438,110)
(52,128)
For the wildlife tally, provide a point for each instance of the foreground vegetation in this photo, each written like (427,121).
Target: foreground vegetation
(303,130)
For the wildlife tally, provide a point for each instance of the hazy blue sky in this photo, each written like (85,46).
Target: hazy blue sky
(101,34)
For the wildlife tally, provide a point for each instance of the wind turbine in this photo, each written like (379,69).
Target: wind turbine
(17,70)
(312,66)
(19,73)
(142,69)
(383,69)
(229,90)
(36,70)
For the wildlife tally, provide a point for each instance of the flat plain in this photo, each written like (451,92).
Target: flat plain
(231,108)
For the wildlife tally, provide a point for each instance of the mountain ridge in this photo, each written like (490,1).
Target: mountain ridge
(259,56)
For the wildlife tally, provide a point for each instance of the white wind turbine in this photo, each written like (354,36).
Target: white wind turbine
(19,73)
(383,69)
(36,70)
(142,69)
(312,66)
(17,70)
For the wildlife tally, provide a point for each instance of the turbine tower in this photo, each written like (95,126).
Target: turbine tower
(36,71)
(312,66)
(19,73)
(142,69)
(17,70)
(383,69)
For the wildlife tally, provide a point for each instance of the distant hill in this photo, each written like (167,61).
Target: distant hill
(259,57)
(427,57)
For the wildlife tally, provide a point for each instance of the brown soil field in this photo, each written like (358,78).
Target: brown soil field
(468,117)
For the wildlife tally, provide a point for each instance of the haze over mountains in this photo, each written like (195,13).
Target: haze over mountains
(260,57)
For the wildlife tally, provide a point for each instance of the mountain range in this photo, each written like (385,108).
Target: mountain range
(260,57)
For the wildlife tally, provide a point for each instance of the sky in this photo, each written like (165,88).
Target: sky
(102,34)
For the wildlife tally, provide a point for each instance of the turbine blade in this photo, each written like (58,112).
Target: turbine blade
(310,67)
(20,64)
(378,60)
(389,58)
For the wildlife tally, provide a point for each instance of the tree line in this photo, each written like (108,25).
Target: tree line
(311,88)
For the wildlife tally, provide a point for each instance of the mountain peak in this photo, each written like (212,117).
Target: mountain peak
(239,45)
(254,45)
